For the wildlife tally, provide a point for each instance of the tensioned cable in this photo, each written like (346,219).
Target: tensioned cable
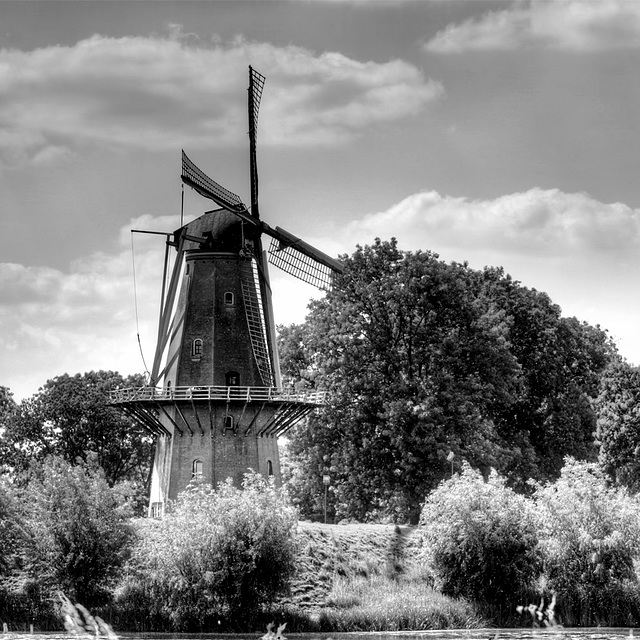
(135,305)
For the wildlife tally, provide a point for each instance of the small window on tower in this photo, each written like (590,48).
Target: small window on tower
(270,467)
(232,378)
(229,299)
(196,470)
(196,349)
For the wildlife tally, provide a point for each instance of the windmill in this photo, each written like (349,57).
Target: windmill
(215,401)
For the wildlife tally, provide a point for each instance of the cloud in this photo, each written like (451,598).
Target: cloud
(157,93)
(532,223)
(84,318)
(570,25)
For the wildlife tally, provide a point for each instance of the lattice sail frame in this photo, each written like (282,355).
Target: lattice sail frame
(301,266)
(205,186)
(257,81)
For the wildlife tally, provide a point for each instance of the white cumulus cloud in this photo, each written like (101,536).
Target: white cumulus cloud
(158,93)
(571,25)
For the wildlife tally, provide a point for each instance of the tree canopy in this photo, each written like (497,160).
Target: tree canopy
(428,363)
(618,424)
(70,417)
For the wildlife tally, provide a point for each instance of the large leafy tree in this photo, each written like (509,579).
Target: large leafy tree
(70,417)
(426,361)
(618,425)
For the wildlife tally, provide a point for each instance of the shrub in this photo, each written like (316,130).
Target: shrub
(589,536)
(479,539)
(216,554)
(79,531)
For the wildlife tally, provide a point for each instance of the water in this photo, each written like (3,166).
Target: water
(556,633)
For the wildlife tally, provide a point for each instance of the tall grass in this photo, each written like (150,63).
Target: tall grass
(378,603)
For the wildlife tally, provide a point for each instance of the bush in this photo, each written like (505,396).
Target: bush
(79,531)
(589,536)
(216,555)
(479,539)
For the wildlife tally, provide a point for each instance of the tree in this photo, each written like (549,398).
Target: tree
(618,424)
(79,530)
(12,534)
(70,417)
(7,404)
(561,360)
(424,359)
(416,366)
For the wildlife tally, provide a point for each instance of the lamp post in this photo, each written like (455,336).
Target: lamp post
(326,481)
(450,458)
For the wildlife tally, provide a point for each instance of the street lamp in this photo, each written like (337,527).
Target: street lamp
(450,458)
(326,481)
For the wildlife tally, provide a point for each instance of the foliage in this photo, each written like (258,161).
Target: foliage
(221,553)
(79,529)
(70,417)
(424,360)
(7,404)
(561,361)
(479,538)
(12,534)
(589,536)
(618,424)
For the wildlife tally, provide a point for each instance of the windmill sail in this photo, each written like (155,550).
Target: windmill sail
(299,259)
(209,188)
(256,85)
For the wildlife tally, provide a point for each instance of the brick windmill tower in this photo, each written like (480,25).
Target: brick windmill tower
(215,401)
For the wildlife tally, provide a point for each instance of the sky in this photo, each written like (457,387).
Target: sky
(497,133)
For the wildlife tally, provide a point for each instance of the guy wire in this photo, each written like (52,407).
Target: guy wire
(135,305)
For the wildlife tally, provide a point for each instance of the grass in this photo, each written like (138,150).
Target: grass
(359,577)
(380,604)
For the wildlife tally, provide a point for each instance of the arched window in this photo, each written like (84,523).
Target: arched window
(229,298)
(196,470)
(232,378)
(270,467)
(196,349)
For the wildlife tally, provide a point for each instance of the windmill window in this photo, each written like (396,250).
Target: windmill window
(196,349)
(196,470)
(269,467)
(229,299)
(232,378)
